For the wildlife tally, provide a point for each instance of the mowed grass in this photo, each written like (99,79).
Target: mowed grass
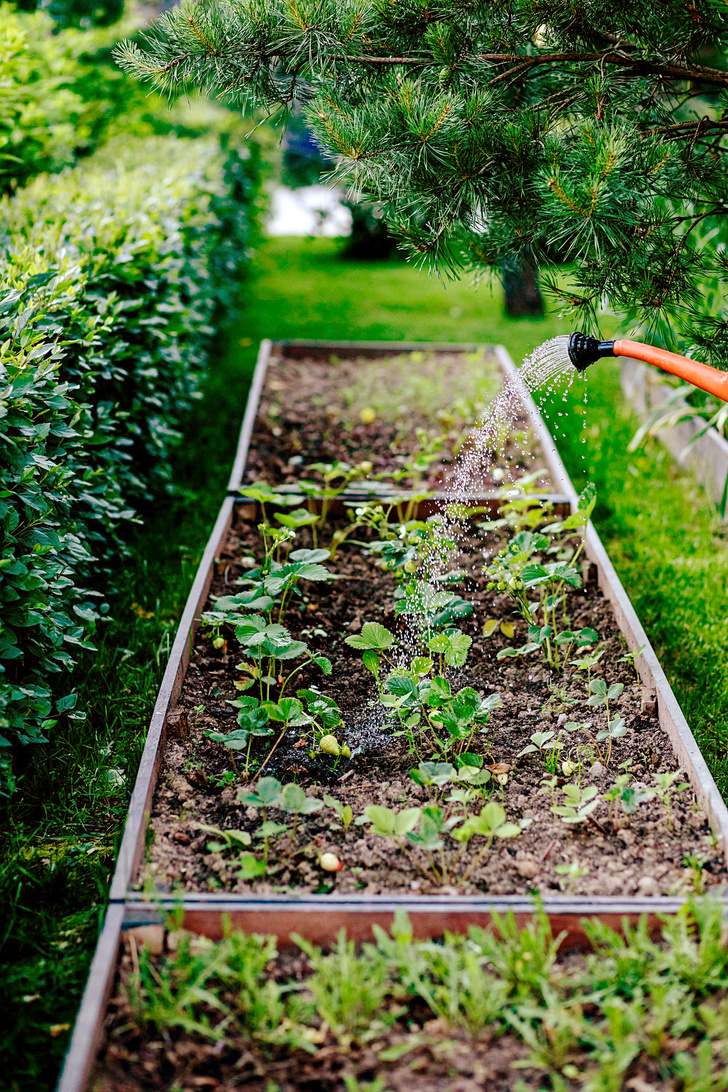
(63,827)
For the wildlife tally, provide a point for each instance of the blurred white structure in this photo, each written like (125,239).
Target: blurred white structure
(311,210)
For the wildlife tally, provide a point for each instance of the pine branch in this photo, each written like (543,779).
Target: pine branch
(689,128)
(483,137)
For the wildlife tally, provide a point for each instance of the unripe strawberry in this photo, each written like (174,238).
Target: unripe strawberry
(329,745)
(330,862)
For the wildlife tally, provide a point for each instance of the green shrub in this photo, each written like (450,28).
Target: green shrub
(109,284)
(41,116)
(62,96)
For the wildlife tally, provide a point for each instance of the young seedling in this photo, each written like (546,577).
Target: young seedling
(434,823)
(616,729)
(393,825)
(548,745)
(490,824)
(228,840)
(572,873)
(490,625)
(696,864)
(451,648)
(235,841)
(578,803)
(287,712)
(228,777)
(342,811)
(388,823)
(548,788)
(588,662)
(631,658)
(433,774)
(337,477)
(601,694)
(625,796)
(264,493)
(252,722)
(470,771)
(270,793)
(517,569)
(375,640)
(348,990)
(665,787)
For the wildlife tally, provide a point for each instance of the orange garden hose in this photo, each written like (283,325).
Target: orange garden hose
(584,350)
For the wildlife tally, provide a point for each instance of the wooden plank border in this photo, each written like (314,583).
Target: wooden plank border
(251,412)
(671,717)
(88,1028)
(137,819)
(431,917)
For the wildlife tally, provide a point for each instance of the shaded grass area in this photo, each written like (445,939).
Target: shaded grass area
(62,830)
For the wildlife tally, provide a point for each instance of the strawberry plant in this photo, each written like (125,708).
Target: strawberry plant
(626,797)
(601,694)
(421,702)
(519,569)
(578,803)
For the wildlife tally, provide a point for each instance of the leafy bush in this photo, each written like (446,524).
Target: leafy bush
(41,116)
(109,283)
(62,95)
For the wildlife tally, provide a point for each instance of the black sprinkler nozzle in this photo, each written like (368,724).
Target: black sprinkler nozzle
(584,350)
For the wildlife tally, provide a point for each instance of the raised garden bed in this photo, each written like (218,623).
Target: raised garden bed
(404,416)
(477,1013)
(637,859)
(201,813)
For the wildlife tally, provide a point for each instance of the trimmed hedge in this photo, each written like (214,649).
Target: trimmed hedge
(46,116)
(62,96)
(109,283)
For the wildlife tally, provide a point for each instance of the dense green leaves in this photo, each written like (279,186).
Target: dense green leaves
(593,134)
(108,286)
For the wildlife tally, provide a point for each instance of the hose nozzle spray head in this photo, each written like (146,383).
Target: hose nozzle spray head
(584,350)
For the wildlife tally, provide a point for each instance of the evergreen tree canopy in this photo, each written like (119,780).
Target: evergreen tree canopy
(591,133)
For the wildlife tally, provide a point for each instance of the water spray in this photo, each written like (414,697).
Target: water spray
(584,350)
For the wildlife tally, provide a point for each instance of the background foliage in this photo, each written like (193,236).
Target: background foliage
(111,277)
(496,135)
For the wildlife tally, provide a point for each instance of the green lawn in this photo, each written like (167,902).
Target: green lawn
(65,823)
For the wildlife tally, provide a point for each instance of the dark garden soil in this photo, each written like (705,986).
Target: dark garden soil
(417,401)
(643,856)
(310,410)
